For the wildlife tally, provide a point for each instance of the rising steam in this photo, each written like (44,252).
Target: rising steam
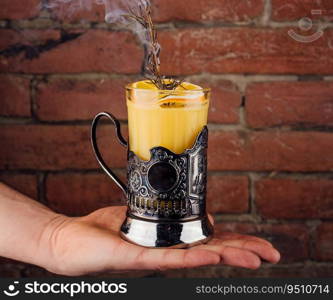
(118,12)
(134,15)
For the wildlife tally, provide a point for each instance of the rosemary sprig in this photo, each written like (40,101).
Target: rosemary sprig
(151,64)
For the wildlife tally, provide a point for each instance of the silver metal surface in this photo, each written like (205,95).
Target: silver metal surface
(169,186)
(166,195)
(161,234)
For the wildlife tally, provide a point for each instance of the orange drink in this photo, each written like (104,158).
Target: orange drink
(167,118)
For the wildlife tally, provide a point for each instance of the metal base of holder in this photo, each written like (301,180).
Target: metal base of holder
(177,234)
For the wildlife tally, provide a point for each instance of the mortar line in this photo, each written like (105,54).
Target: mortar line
(41,187)
(233,77)
(221,218)
(33,108)
(223,173)
(261,22)
(266,15)
(212,126)
(313,226)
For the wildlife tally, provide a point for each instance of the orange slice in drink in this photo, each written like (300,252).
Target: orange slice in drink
(186,94)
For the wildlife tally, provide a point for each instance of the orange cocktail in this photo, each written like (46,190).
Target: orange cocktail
(171,119)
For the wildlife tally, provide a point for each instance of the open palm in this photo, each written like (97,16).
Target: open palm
(92,244)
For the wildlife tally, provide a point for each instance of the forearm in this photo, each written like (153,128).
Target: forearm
(24,225)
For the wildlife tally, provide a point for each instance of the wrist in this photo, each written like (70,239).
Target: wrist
(49,240)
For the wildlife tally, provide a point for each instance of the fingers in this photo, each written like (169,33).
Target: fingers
(267,253)
(163,259)
(262,250)
(237,236)
(231,248)
(234,256)
(139,258)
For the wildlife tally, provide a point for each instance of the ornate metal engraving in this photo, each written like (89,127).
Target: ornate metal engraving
(169,186)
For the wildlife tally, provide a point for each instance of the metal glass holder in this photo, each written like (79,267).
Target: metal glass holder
(166,196)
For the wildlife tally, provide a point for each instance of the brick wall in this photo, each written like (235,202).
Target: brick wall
(271,117)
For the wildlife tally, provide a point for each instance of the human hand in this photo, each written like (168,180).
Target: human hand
(90,244)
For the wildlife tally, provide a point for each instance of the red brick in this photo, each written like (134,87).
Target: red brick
(201,272)
(172,10)
(80,194)
(24,183)
(289,103)
(14,10)
(63,147)
(227,194)
(270,151)
(323,270)
(266,271)
(93,51)
(324,242)
(15,96)
(283,271)
(225,100)
(185,51)
(56,147)
(291,198)
(290,239)
(94,96)
(201,11)
(292,10)
(243,50)
(68,13)
(31,271)
(90,96)
(26,37)
(10,270)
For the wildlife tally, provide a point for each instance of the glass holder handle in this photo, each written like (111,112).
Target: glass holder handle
(98,155)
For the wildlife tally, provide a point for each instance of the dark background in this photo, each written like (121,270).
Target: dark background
(271,117)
